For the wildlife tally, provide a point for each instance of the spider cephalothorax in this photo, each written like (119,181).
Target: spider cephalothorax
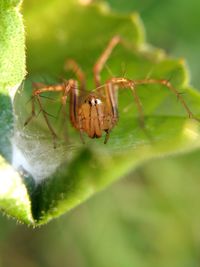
(97,112)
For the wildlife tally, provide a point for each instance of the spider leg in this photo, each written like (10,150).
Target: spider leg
(132,84)
(39,89)
(112,105)
(72,90)
(101,61)
(118,83)
(71,64)
(74,99)
(138,105)
(111,90)
(74,102)
(107,136)
(104,57)
(54,135)
(112,98)
(33,114)
(37,96)
(63,108)
(171,88)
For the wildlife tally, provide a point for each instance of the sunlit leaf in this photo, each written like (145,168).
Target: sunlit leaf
(72,172)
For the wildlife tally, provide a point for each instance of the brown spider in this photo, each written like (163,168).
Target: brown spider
(98,111)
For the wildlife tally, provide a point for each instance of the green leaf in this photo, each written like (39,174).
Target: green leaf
(12,54)
(14,196)
(14,199)
(72,172)
(12,66)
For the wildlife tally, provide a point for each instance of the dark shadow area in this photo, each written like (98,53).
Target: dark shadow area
(6,127)
(65,182)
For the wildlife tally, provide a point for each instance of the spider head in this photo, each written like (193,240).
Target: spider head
(93,100)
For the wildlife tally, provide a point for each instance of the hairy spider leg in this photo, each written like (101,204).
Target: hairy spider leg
(69,90)
(39,90)
(72,65)
(101,61)
(104,57)
(112,103)
(171,88)
(36,95)
(73,107)
(112,86)
(132,84)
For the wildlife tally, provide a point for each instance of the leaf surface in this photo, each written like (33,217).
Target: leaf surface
(72,172)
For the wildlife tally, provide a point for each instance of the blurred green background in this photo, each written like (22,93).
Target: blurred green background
(149,218)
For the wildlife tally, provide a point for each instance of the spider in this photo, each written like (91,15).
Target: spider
(97,112)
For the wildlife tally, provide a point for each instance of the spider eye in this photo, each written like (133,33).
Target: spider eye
(97,101)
